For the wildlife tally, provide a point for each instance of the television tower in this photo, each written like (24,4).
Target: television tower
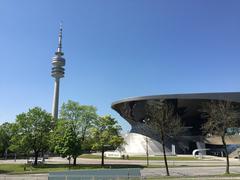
(58,63)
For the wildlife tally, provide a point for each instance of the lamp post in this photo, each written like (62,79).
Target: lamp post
(147,151)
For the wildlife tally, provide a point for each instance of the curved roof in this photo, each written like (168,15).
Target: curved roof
(134,108)
(231,96)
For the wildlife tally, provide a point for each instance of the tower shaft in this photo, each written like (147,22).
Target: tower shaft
(55,99)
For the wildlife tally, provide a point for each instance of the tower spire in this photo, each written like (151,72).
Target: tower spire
(59,49)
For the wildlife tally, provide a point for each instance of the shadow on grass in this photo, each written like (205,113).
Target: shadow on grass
(4,172)
(11,168)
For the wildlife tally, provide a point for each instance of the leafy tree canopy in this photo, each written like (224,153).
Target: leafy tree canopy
(32,130)
(66,140)
(83,116)
(106,132)
(70,133)
(106,135)
(6,133)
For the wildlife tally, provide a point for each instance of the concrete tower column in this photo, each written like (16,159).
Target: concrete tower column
(55,99)
(58,63)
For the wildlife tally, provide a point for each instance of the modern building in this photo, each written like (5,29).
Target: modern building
(187,106)
(139,145)
(58,63)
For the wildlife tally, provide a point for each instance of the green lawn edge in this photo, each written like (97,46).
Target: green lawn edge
(170,158)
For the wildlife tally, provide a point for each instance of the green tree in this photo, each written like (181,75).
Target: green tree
(221,116)
(65,140)
(6,134)
(162,118)
(106,133)
(32,131)
(71,133)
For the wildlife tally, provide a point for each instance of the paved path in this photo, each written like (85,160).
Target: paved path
(217,162)
(233,162)
(188,171)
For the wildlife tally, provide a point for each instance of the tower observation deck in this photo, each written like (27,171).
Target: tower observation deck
(58,63)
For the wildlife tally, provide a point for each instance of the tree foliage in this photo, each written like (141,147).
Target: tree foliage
(221,116)
(66,140)
(162,118)
(6,133)
(106,135)
(70,134)
(32,131)
(83,116)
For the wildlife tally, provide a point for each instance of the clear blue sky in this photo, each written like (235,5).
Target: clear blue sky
(116,49)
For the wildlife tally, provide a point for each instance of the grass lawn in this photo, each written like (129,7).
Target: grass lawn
(175,158)
(46,168)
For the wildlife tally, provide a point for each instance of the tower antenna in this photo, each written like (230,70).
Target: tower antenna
(59,49)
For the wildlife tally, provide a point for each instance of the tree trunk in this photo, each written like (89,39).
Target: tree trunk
(102,164)
(165,158)
(35,157)
(226,153)
(43,158)
(69,160)
(6,154)
(74,161)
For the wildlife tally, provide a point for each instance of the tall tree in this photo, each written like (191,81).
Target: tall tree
(32,131)
(6,134)
(65,140)
(162,118)
(106,133)
(221,116)
(78,120)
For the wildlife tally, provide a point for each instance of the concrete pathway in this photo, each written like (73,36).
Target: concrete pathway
(188,171)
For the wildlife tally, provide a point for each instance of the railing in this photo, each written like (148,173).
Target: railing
(67,177)
(80,177)
(100,174)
